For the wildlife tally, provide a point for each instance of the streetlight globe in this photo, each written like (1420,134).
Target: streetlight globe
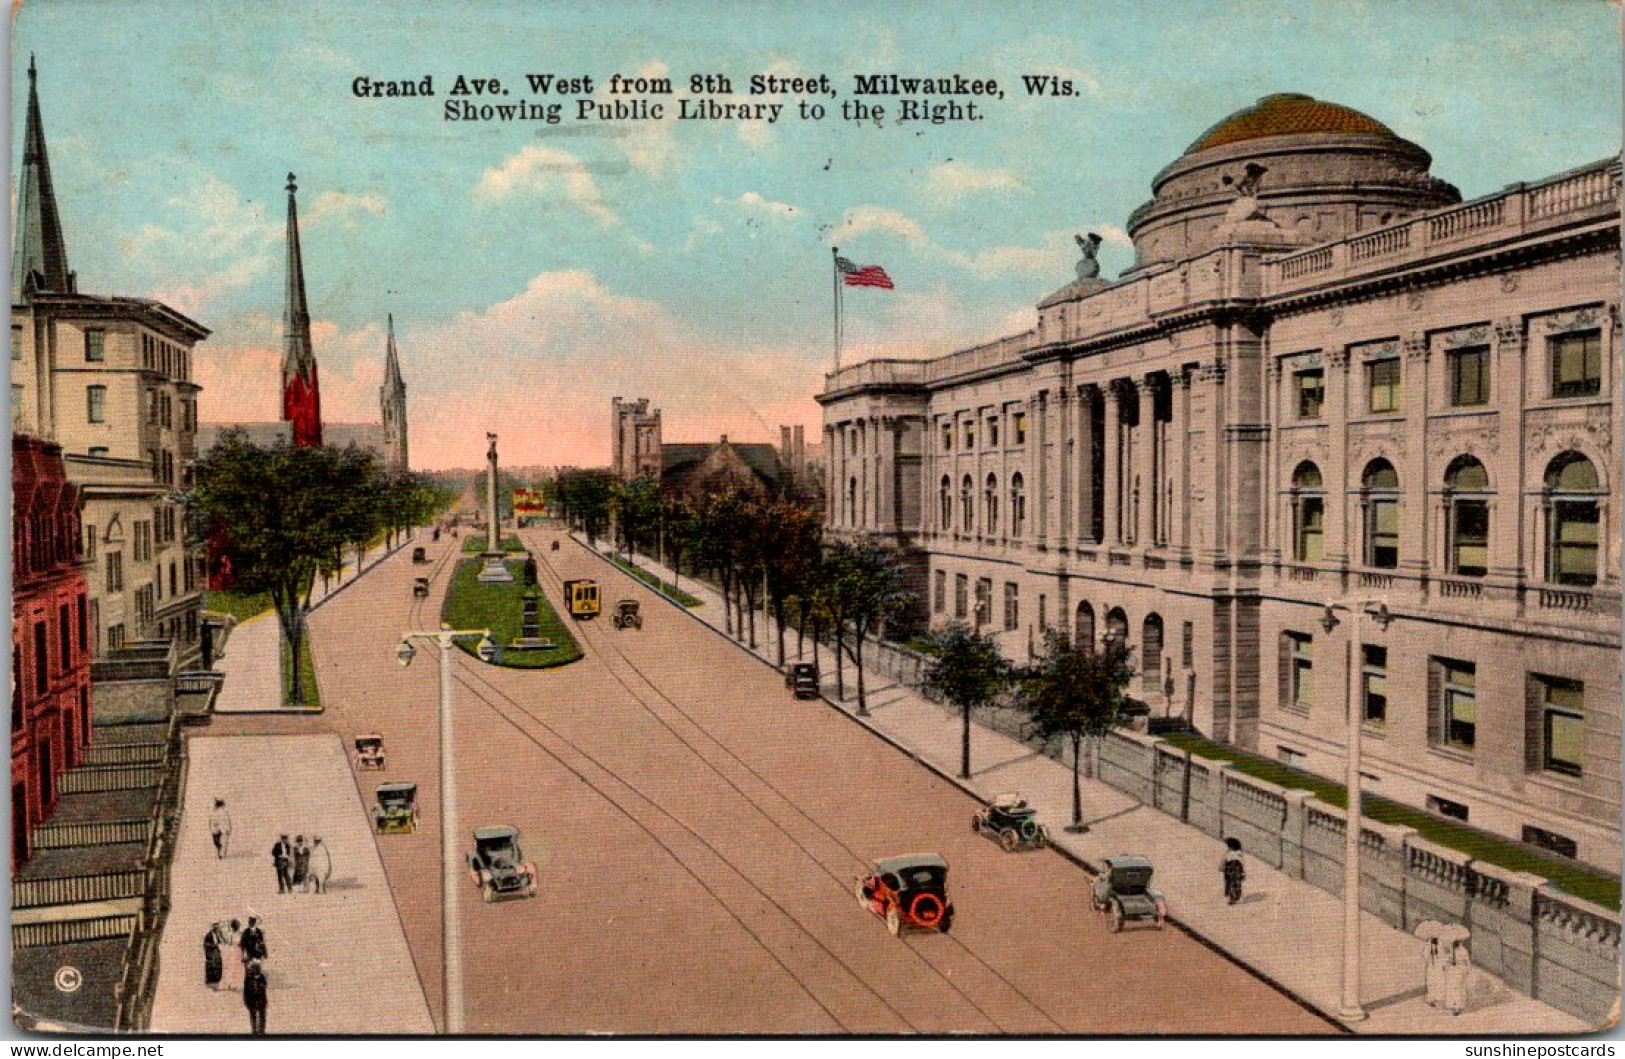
(405,653)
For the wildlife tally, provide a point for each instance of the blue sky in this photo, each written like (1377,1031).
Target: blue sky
(535,271)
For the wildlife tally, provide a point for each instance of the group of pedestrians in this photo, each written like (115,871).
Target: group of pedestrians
(234,958)
(301,867)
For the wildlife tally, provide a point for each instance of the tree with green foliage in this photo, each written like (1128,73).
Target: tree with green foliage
(583,498)
(280,516)
(968,670)
(1075,693)
(635,513)
(790,534)
(867,588)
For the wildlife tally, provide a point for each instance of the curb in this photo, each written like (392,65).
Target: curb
(1064,853)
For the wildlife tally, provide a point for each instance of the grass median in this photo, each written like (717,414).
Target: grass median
(666,588)
(476,544)
(1574,878)
(240,605)
(499,606)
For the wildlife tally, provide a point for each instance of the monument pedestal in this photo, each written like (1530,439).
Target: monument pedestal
(495,569)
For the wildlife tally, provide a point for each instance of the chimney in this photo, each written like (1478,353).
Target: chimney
(801,449)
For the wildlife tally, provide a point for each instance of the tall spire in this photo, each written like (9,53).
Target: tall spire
(39,257)
(392,405)
(301,390)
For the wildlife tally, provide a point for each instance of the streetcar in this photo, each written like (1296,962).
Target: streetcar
(581,598)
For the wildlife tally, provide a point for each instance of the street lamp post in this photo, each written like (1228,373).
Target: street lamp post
(1351,1009)
(450,923)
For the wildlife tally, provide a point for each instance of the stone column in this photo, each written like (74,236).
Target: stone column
(1179,444)
(1211,377)
(1086,464)
(1146,469)
(1337,520)
(1507,520)
(1038,443)
(1066,448)
(1415,526)
(886,443)
(1113,450)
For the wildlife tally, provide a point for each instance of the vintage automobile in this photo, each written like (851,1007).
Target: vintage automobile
(420,587)
(420,555)
(397,810)
(369,751)
(581,598)
(555,546)
(1123,891)
(802,680)
(626,615)
(498,865)
(908,892)
(1012,821)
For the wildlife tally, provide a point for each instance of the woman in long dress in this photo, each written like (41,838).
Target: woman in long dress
(230,940)
(212,965)
(1455,965)
(1433,971)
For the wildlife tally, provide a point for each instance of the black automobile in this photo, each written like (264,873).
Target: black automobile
(498,865)
(802,679)
(1012,821)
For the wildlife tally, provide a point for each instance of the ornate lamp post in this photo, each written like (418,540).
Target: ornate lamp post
(1351,1009)
(450,922)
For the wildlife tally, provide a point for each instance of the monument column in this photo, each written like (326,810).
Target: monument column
(495,568)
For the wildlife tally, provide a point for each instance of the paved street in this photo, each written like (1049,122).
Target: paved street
(338,961)
(698,832)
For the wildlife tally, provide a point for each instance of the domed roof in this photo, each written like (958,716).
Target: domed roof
(1289,114)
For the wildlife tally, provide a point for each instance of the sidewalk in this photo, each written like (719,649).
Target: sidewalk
(339,962)
(1286,930)
(252,657)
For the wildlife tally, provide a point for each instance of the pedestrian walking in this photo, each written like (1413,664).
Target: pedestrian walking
(252,944)
(282,858)
(321,864)
(1455,965)
(301,864)
(231,938)
(1432,970)
(220,828)
(213,966)
(254,997)
(1235,872)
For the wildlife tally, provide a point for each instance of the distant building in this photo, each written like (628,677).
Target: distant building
(50,643)
(639,452)
(109,380)
(1325,380)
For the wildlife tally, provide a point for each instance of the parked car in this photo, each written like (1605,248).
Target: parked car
(420,587)
(627,616)
(420,554)
(369,751)
(1123,891)
(908,892)
(802,679)
(1012,821)
(498,865)
(397,810)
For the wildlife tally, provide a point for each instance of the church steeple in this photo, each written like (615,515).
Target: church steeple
(301,389)
(39,257)
(392,405)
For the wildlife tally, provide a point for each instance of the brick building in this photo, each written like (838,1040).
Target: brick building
(50,655)
(1325,380)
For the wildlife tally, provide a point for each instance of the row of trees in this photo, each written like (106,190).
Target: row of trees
(277,517)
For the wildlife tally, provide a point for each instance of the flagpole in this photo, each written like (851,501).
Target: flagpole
(835,276)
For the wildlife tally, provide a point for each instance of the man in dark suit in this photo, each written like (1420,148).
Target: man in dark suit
(254,997)
(282,858)
(253,941)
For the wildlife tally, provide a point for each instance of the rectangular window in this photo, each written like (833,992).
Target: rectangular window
(947,437)
(970,434)
(1382,534)
(1018,424)
(1562,709)
(64,636)
(16,407)
(95,345)
(1012,606)
(1375,678)
(984,601)
(1311,392)
(17,683)
(1574,542)
(1446,807)
(90,544)
(1307,543)
(1469,376)
(1576,363)
(992,432)
(939,593)
(1043,612)
(1298,660)
(115,571)
(96,404)
(1187,652)
(42,657)
(1456,712)
(1382,385)
(1551,841)
(1470,538)
(16,341)
(115,636)
(84,625)
(961,595)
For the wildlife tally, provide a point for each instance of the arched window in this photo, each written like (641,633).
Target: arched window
(1308,514)
(967,505)
(1018,505)
(990,503)
(1381,486)
(1467,517)
(1117,625)
(945,501)
(1083,631)
(1151,654)
(1573,509)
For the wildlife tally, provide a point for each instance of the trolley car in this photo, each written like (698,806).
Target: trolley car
(581,599)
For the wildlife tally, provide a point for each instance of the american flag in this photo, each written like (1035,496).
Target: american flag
(867,276)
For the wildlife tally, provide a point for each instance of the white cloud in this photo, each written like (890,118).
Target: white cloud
(545,171)
(953,180)
(866,218)
(753,202)
(342,208)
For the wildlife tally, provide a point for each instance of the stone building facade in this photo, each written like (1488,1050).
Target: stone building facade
(1325,382)
(109,380)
